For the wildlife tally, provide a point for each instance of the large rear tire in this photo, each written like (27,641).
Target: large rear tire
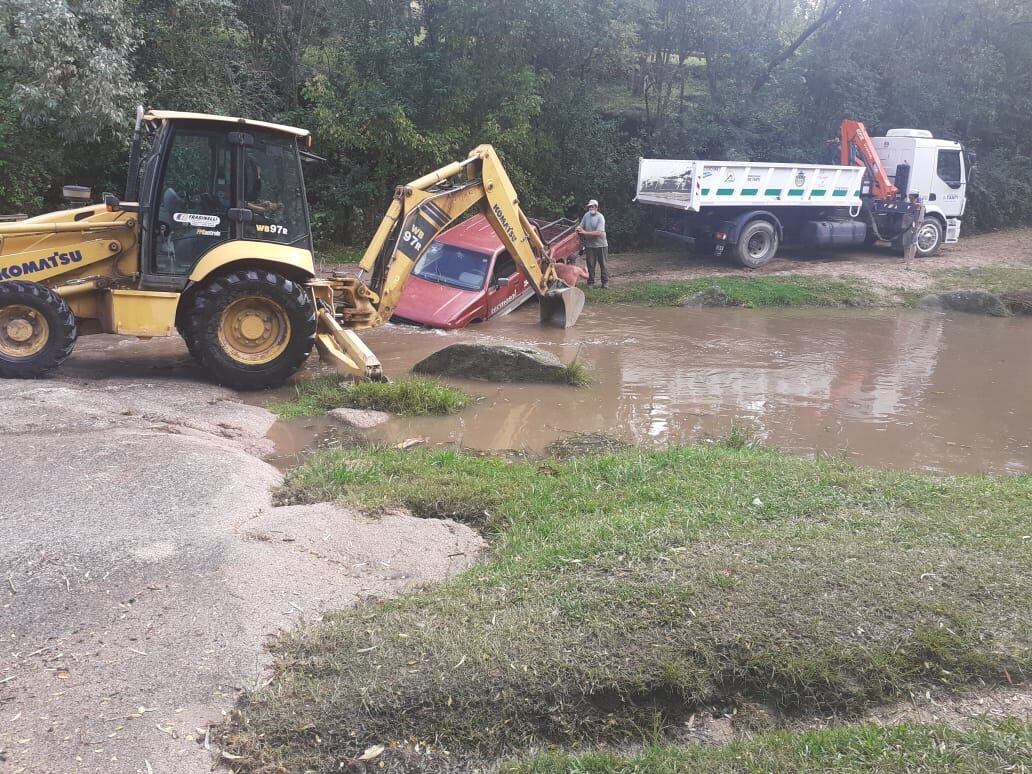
(757,244)
(37,330)
(251,328)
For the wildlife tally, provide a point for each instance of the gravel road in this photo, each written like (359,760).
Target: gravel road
(143,567)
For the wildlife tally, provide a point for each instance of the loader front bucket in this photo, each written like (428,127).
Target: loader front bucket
(561,307)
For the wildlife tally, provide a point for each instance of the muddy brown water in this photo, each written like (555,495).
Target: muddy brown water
(888,388)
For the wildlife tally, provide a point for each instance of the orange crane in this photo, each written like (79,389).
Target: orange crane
(858,151)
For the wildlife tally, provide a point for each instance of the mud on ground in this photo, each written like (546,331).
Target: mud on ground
(143,567)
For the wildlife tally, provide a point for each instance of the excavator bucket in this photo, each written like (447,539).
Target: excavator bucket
(561,307)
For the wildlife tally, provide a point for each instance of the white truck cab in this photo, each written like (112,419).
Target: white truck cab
(939,172)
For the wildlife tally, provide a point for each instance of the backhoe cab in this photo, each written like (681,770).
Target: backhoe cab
(213,241)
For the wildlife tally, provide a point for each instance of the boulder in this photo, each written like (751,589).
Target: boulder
(492,363)
(971,301)
(363,419)
(1017,301)
(714,295)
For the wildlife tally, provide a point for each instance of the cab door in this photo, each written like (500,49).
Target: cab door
(505,286)
(190,206)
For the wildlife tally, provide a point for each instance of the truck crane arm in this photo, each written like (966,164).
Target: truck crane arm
(419,212)
(858,150)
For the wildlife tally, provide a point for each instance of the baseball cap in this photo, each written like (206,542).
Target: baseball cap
(593,202)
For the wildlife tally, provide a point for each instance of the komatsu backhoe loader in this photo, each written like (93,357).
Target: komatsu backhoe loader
(213,241)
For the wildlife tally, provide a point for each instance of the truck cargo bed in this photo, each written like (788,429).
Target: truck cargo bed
(692,185)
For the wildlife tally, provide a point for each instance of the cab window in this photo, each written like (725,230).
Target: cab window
(194,198)
(504,267)
(274,192)
(948,168)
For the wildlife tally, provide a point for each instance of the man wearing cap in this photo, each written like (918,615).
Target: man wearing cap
(592,230)
(913,218)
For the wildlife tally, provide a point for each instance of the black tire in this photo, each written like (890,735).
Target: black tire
(29,309)
(929,238)
(190,341)
(757,244)
(207,320)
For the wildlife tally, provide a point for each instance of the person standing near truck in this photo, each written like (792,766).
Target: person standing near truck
(913,218)
(592,230)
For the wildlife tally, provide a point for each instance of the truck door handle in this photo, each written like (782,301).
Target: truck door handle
(240,215)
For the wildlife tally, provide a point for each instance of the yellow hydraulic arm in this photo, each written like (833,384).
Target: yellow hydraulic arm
(418,213)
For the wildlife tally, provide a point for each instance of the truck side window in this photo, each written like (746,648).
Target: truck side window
(194,198)
(274,193)
(948,167)
(504,267)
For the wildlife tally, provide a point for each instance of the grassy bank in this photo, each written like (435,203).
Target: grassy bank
(626,590)
(791,290)
(405,396)
(995,279)
(1000,746)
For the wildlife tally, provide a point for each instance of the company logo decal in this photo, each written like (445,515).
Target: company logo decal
(195,219)
(31,267)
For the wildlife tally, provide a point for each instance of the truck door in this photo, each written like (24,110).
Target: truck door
(948,184)
(505,285)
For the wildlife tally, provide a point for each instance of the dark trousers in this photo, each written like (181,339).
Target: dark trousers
(597,255)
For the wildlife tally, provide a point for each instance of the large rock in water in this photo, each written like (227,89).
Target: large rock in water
(492,363)
(971,301)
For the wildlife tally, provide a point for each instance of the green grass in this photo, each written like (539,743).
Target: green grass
(792,290)
(1004,745)
(628,589)
(405,396)
(576,374)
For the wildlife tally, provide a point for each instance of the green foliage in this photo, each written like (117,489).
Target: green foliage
(405,396)
(571,92)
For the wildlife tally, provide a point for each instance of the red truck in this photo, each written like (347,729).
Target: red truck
(466,276)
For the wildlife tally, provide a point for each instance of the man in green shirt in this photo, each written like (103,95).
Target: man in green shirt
(592,230)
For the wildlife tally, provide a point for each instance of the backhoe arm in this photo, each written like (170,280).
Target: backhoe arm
(425,207)
(418,213)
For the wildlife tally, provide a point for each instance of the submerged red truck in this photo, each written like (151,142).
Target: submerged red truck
(466,276)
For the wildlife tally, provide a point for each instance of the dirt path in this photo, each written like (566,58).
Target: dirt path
(142,566)
(879,266)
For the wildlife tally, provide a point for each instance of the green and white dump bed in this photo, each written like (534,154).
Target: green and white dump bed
(693,185)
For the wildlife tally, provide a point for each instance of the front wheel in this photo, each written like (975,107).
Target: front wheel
(251,328)
(929,237)
(757,244)
(37,330)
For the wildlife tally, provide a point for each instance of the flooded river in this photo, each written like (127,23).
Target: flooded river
(888,388)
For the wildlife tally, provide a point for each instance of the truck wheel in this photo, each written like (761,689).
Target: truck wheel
(251,328)
(757,244)
(37,330)
(929,238)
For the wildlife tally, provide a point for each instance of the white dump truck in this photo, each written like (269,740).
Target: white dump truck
(747,210)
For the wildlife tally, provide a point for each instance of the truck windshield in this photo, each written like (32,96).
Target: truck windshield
(450,265)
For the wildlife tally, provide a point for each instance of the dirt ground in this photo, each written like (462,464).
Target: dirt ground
(880,266)
(143,567)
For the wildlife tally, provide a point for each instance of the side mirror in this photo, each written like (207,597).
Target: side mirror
(501,282)
(76,193)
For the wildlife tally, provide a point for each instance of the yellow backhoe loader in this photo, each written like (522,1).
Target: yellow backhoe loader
(213,241)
